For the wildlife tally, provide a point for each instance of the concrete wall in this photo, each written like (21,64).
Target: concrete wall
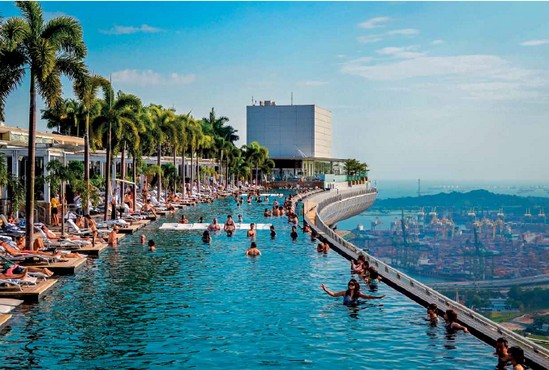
(290,131)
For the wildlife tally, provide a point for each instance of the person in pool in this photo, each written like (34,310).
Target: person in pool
(516,356)
(502,351)
(352,294)
(273,232)
(214,226)
(152,245)
(293,234)
(251,232)
(229,224)
(432,315)
(253,251)
(206,238)
(450,318)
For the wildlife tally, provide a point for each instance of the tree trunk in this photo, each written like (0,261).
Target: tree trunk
(134,168)
(192,169)
(197,174)
(183,190)
(175,168)
(29,204)
(108,175)
(159,173)
(86,196)
(123,172)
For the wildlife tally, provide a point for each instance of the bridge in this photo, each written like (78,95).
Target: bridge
(322,209)
(490,284)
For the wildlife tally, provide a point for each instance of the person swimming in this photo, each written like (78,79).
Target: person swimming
(432,314)
(253,251)
(352,294)
(451,324)
(206,238)
(152,245)
(293,234)
(273,232)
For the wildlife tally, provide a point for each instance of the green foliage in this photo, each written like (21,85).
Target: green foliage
(530,299)
(354,167)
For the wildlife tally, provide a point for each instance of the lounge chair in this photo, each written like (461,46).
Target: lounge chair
(64,243)
(77,230)
(10,284)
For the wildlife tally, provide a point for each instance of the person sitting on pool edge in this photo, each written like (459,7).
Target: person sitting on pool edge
(253,251)
(352,294)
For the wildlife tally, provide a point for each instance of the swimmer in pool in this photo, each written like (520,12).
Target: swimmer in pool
(352,294)
(253,251)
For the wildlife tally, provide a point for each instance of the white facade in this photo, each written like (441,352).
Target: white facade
(290,131)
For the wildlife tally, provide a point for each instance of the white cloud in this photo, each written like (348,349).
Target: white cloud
(312,83)
(126,30)
(535,42)
(340,56)
(374,22)
(151,78)
(486,77)
(402,52)
(437,42)
(427,66)
(404,31)
(369,39)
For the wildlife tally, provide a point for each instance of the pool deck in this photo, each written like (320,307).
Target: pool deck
(4,318)
(31,293)
(69,267)
(93,251)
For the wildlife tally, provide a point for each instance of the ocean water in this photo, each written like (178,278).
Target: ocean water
(196,305)
(409,188)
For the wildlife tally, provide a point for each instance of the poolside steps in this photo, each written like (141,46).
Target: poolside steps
(133,227)
(31,293)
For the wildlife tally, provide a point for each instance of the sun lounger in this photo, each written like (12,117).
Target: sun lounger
(10,284)
(77,230)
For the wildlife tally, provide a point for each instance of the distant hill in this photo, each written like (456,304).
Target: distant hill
(478,199)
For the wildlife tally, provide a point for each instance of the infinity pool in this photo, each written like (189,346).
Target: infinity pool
(208,306)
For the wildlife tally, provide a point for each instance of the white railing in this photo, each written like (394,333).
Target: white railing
(537,355)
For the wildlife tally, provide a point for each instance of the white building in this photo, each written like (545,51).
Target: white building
(299,137)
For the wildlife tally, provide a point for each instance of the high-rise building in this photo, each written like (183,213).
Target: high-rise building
(299,137)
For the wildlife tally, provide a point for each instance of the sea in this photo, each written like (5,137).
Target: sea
(409,188)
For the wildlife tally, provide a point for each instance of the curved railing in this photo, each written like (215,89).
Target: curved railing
(485,329)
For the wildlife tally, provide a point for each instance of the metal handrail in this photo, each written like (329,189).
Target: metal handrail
(414,285)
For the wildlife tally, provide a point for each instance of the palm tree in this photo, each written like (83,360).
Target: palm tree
(47,50)
(116,115)
(181,124)
(86,88)
(219,129)
(163,127)
(257,155)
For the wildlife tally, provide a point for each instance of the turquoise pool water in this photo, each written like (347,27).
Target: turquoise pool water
(192,305)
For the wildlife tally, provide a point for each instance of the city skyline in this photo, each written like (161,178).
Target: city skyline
(454,91)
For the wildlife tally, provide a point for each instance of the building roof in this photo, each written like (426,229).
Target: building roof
(19,137)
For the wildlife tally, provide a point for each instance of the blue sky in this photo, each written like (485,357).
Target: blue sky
(431,90)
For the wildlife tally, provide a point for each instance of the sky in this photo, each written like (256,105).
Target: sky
(433,90)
